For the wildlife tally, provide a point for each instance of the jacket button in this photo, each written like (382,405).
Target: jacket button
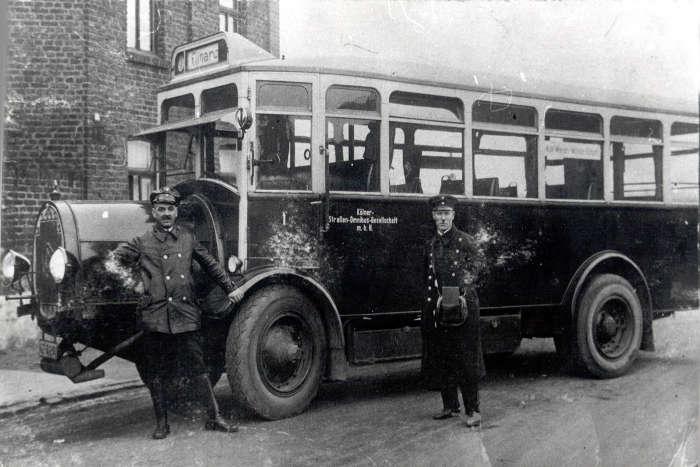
(184,299)
(165,256)
(170,299)
(167,278)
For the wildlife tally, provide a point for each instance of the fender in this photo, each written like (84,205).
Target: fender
(253,280)
(574,288)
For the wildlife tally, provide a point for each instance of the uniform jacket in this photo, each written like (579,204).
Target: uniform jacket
(165,262)
(451,352)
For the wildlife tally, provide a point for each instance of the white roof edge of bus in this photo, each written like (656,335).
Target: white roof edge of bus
(487,82)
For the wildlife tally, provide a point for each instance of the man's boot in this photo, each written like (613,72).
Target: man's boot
(215,421)
(160,407)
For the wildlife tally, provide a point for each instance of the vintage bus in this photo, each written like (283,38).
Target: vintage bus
(309,179)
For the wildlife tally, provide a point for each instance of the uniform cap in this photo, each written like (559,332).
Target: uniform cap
(442,202)
(165,195)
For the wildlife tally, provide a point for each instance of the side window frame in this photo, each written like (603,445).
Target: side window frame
(575,132)
(412,111)
(495,118)
(291,113)
(631,131)
(682,142)
(369,172)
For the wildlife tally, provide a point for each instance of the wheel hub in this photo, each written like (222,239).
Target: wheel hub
(285,354)
(280,348)
(611,331)
(608,326)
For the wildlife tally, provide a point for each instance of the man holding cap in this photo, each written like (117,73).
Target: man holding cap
(452,356)
(170,316)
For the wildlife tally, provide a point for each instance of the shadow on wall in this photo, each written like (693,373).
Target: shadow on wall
(15,332)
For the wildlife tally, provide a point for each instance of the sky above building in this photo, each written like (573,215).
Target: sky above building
(639,47)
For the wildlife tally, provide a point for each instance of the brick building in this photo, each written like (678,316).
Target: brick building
(81,77)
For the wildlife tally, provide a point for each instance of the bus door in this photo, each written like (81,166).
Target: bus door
(282,221)
(358,228)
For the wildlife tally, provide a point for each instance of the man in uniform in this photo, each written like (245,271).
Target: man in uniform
(452,355)
(169,315)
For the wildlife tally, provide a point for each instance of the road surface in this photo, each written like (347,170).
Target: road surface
(534,415)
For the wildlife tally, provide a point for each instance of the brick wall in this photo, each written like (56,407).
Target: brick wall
(68,62)
(262,24)
(46,88)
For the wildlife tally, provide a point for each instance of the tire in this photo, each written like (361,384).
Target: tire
(275,352)
(608,327)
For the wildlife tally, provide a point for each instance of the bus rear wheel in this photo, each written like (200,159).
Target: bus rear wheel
(608,327)
(275,352)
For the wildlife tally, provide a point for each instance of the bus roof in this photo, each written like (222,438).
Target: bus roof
(451,77)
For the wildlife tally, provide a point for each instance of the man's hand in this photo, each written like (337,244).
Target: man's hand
(236,296)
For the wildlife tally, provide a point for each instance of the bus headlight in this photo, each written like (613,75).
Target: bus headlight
(14,265)
(58,264)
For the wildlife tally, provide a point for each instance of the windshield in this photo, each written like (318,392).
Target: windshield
(204,151)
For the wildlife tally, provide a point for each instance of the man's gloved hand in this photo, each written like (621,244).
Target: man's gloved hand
(236,296)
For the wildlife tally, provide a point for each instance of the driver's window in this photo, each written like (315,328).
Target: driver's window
(283,133)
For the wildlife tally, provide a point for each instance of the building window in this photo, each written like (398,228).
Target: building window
(230,15)
(139,21)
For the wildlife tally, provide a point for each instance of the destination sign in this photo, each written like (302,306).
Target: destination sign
(203,56)
(571,150)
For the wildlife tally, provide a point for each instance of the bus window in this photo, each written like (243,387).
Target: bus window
(573,168)
(573,155)
(219,98)
(284,136)
(352,138)
(505,164)
(183,151)
(426,159)
(504,114)
(636,156)
(426,107)
(224,161)
(177,108)
(683,164)
(353,154)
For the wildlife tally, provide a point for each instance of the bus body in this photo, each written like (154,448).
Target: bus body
(310,180)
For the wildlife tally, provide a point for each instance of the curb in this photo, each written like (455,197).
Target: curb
(16,408)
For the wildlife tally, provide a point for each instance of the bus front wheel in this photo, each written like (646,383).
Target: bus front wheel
(275,352)
(608,327)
